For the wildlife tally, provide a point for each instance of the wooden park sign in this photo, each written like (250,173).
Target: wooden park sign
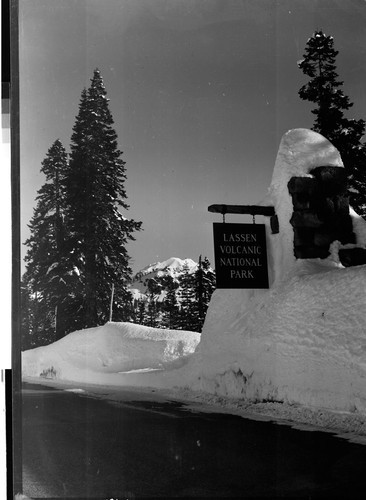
(240,249)
(240,255)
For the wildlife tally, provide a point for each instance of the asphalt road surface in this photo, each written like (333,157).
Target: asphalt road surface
(78,446)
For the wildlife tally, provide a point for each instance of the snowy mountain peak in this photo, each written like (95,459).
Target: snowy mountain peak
(173,267)
(170,266)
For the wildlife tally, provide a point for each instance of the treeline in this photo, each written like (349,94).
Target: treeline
(76,257)
(78,234)
(178,303)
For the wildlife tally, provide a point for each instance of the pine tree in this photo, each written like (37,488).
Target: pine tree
(170,304)
(27,339)
(141,312)
(187,320)
(324,89)
(154,288)
(95,192)
(204,285)
(48,277)
(123,307)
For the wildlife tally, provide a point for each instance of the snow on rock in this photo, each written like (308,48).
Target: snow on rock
(173,267)
(173,264)
(359,228)
(300,151)
(304,340)
(170,266)
(110,349)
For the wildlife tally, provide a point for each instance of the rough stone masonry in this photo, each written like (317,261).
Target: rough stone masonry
(321,215)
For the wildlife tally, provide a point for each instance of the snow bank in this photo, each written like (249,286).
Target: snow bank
(110,349)
(303,340)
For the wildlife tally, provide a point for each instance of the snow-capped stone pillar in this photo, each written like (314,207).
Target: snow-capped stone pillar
(295,193)
(309,194)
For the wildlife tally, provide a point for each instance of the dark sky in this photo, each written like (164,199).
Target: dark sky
(201,92)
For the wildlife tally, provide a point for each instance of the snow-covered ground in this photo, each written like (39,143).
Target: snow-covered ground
(296,351)
(303,341)
(102,354)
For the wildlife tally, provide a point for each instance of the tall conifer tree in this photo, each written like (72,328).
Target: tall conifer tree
(47,276)
(324,89)
(170,304)
(204,285)
(95,192)
(187,316)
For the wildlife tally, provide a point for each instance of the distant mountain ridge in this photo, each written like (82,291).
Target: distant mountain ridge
(173,267)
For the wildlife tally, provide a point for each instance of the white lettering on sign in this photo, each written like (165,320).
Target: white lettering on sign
(240,250)
(241,237)
(237,261)
(241,273)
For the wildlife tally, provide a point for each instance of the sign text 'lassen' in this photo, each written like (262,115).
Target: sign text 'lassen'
(240,256)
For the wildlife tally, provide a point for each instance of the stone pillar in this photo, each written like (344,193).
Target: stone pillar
(320,212)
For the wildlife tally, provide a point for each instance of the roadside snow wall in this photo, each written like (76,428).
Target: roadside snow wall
(303,341)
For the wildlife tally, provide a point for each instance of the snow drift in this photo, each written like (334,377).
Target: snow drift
(110,349)
(303,340)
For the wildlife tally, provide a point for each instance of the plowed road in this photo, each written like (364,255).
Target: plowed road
(75,445)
